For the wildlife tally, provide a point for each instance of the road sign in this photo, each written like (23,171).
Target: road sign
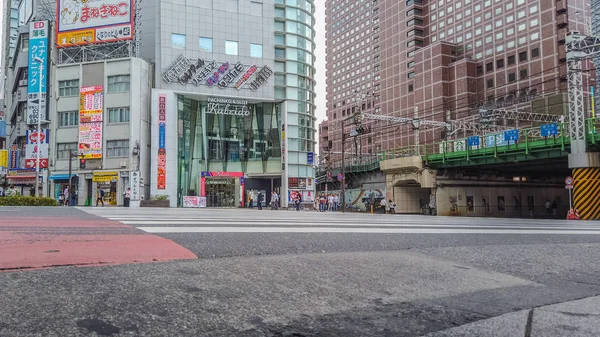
(547,130)
(473,141)
(339,177)
(511,135)
(569,182)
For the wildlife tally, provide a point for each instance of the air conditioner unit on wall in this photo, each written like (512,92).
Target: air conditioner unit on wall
(123,164)
(22,83)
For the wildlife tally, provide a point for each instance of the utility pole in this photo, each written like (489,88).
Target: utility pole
(70,175)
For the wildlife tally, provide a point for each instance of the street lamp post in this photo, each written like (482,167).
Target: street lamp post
(39,128)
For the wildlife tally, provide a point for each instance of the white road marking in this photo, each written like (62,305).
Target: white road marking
(172,230)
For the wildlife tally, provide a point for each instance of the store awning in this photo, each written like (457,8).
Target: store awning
(62,176)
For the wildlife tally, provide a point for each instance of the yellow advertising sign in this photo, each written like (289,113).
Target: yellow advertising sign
(105,177)
(76,38)
(4,158)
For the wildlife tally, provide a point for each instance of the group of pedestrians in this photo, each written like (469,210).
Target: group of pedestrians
(329,202)
(258,197)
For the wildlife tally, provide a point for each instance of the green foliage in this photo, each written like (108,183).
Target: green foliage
(27,201)
(159,197)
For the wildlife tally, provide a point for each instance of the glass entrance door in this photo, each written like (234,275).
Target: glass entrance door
(220,192)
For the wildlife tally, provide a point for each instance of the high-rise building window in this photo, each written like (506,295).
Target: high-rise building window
(512,77)
(535,52)
(118,115)
(68,118)
(411,74)
(499,63)
(117,148)
(511,59)
(63,150)
(490,83)
(489,67)
(256,50)
(118,83)
(231,47)
(523,74)
(411,88)
(206,44)
(178,40)
(522,56)
(68,88)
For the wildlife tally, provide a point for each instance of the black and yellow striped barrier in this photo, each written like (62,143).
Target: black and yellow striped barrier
(586,192)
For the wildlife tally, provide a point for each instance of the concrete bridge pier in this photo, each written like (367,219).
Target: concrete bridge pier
(408,183)
(586,177)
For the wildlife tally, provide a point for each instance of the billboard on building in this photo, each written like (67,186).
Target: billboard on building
(4,158)
(82,22)
(37,68)
(91,104)
(33,151)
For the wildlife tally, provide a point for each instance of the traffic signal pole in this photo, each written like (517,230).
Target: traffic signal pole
(70,175)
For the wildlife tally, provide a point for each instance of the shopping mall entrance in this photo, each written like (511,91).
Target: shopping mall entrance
(220,192)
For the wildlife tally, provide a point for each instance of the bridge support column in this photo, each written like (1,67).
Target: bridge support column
(586,192)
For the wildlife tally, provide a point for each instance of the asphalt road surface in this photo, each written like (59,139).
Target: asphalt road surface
(231,272)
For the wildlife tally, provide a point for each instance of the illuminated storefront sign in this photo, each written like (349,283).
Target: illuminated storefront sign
(201,72)
(162,151)
(81,22)
(223,106)
(91,103)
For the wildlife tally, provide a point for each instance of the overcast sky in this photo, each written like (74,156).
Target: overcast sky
(320,63)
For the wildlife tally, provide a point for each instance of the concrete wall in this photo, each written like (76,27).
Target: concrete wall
(408,199)
(447,196)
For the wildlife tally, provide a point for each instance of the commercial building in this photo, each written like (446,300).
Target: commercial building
(233,104)
(217,95)
(441,60)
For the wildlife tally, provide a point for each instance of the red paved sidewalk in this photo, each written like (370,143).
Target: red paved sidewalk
(38,242)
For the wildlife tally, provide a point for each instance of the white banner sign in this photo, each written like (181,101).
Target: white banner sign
(134,181)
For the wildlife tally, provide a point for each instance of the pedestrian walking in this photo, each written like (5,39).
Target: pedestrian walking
(11,192)
(322,201)
(383,205)
(259,199)
(100,197)
(66,197)
(297,201)
(274,201)
(330,203)
(554,208)
(127,197)
(336,202)
(251,196)
(392,207)
(548,206)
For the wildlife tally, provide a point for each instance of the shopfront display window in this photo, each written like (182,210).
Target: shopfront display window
(226,135)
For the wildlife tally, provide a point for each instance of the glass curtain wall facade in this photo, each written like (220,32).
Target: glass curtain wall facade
(226,143)
(294,73)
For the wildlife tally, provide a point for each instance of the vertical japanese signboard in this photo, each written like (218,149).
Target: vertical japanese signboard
(33,151)
(14,157)
(91,102)
(134,180)
(37,68)
(4,158)
(82,22)
(162,151)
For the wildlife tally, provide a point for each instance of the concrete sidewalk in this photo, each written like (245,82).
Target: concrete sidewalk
(580,318)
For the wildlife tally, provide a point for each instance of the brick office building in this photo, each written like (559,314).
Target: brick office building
(441,60)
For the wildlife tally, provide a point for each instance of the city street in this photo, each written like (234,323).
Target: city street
(240,272)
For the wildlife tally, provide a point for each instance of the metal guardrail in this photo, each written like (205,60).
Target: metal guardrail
(491,145)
